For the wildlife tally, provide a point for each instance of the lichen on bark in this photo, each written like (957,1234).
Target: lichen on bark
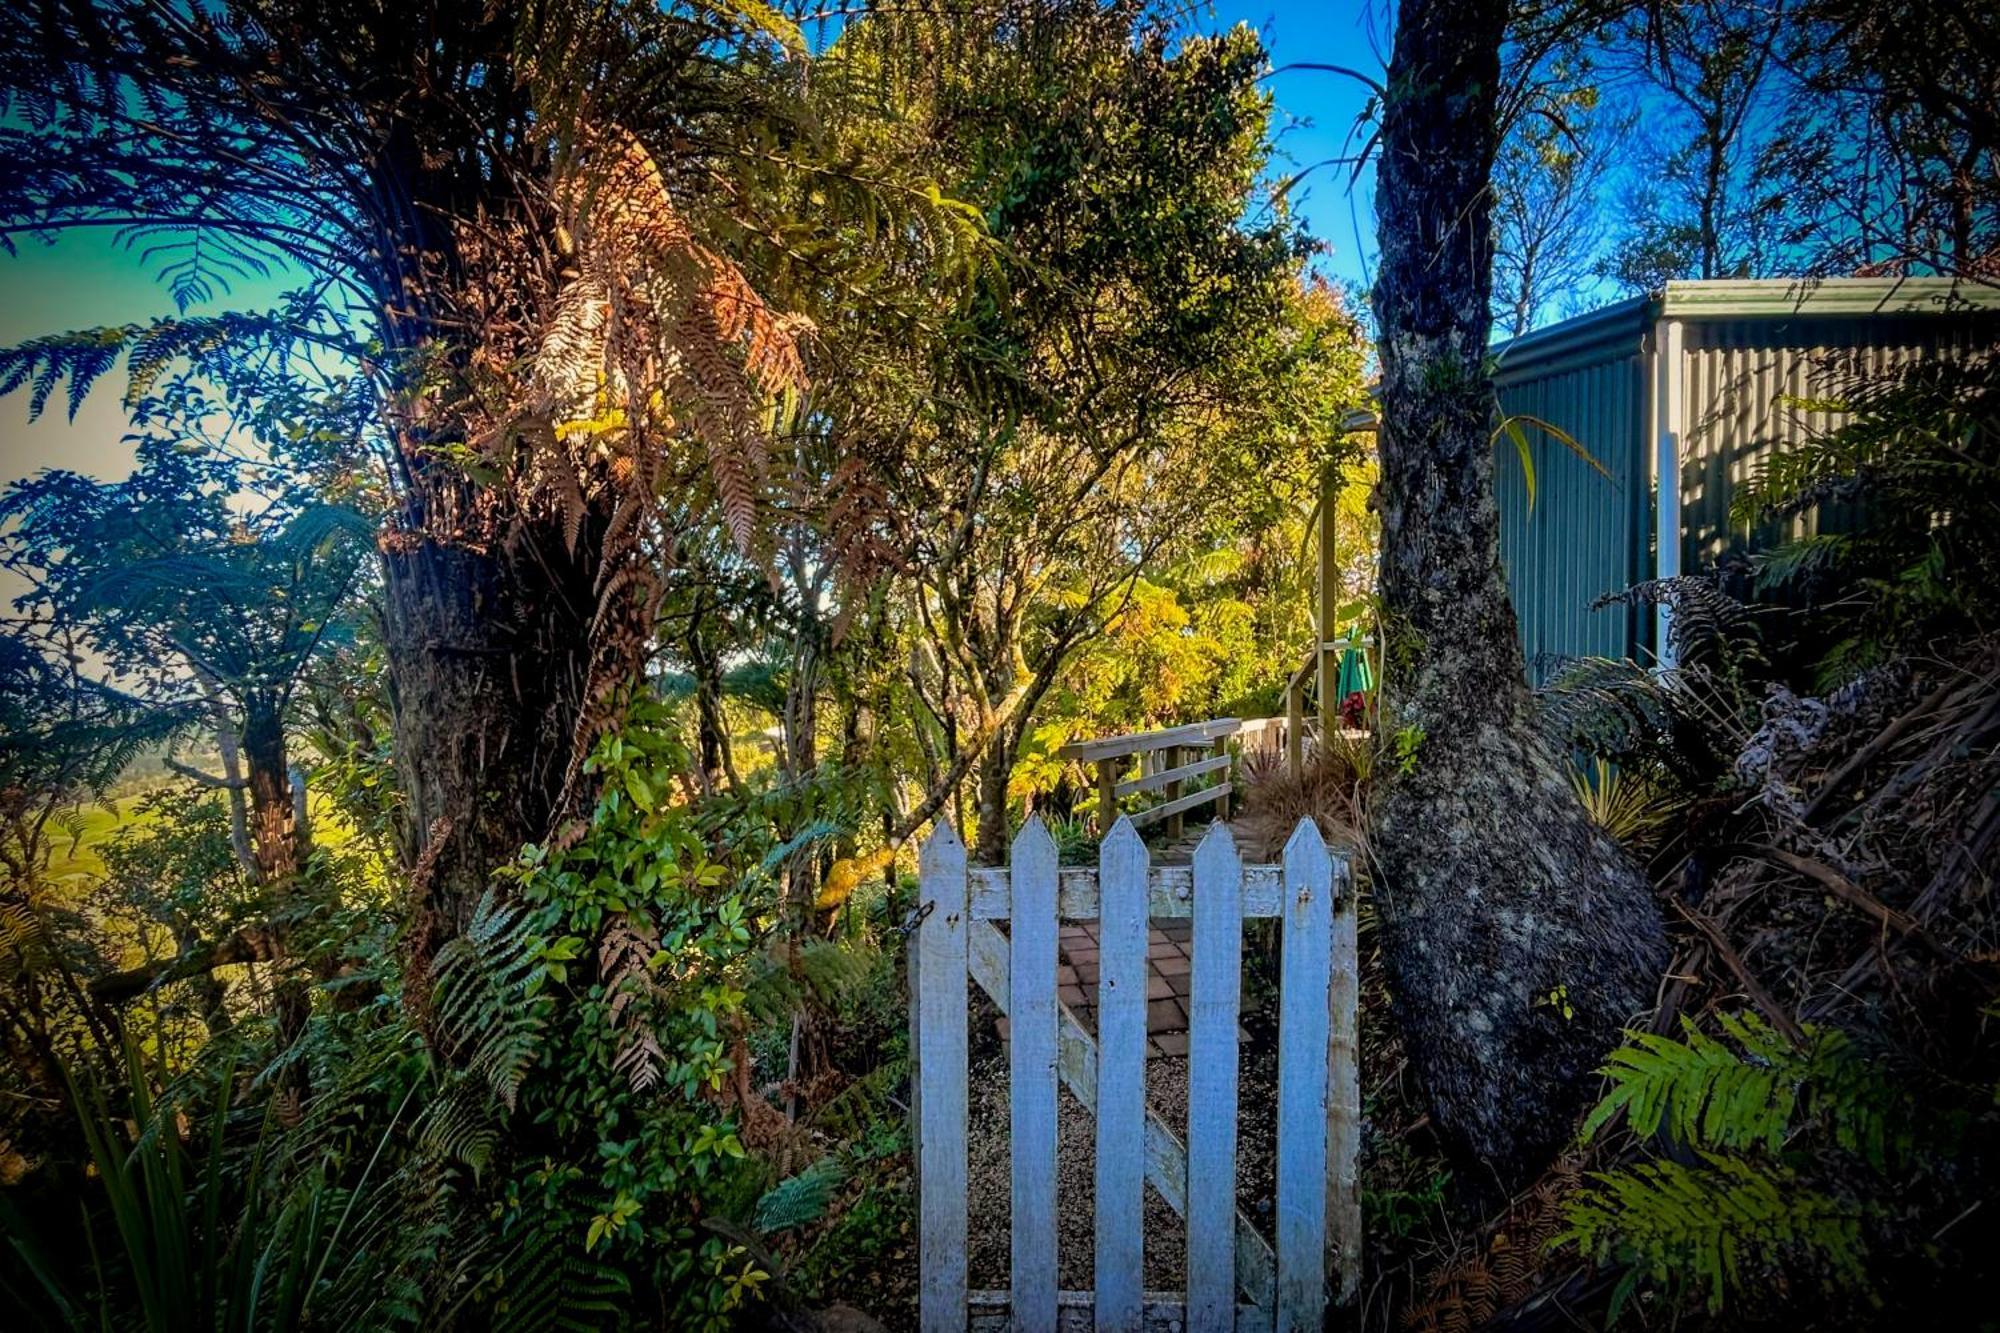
(1495,889)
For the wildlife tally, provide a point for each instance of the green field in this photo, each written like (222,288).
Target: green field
(95,826)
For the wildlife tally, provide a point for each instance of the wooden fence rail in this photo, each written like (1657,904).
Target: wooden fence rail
(1113,755)
(1236,1278)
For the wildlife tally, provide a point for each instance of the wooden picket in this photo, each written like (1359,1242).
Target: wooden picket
(1235,1278)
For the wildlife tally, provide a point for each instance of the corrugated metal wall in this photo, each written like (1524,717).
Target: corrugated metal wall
(1585,536)
(1747,387)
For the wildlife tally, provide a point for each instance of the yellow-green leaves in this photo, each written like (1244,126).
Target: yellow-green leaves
(1512,426)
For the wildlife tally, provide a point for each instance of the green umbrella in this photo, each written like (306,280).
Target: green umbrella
(1354,673)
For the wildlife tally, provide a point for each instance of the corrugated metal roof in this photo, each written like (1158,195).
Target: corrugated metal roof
(1775,297)
(1607,333)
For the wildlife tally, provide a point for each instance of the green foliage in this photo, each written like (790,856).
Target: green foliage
(867,1107)
(197,1221)
(1682,728)
(800,1199)
(490,1007)
(820,972)
(1752,1110)
(1892,514)
(1745,1093)
(1713,1226)
(1402,1213)
(644,951)
(1622,802)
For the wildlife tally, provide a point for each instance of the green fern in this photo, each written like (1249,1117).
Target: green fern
(1744,1093)
(87,355)
(1887,519)
(800,1199)
(864,1104)
(489,1007)
(822,972)
(460,1126)
(551,1284)
(1712,1223)
(1705,1091)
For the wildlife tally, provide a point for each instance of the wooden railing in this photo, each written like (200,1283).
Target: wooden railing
(1114,755)
(1321,665)
(1200,748)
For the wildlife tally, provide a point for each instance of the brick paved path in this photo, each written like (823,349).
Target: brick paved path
(1169,960)
(1169,963)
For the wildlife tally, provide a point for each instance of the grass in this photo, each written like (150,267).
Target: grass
(77,850)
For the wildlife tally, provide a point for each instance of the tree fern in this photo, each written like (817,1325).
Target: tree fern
(820,971)
(551,1284)
(489,1006)
(864,1104)
(1711,1222)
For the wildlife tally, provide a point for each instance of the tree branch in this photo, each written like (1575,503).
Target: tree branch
(195,775)
(251,944)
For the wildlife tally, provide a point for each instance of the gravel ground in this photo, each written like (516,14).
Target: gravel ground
(989,1165)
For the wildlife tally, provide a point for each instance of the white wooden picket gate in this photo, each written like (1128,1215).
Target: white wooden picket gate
(1235,1278)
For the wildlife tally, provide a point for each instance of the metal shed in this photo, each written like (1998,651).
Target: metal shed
(1698,384)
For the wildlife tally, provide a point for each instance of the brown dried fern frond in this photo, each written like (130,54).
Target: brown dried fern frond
(623,956)
(654,336)
(1469,1291)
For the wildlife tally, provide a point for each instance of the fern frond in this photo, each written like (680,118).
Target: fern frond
(800,1199)
(459,1126)
(487,997)
(552,1285)
(864,1104)
(818,971)
(1753,1090)
(1718,1224)
(1703,1090)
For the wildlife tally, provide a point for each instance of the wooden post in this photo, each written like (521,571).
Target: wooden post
(1120,1187)
(1107,795)
(1295,729)
(1216,991)
(1031,1073)
(941,1030)
(1329,601)
(1303,1042)
(1220,750)
(1343,1101)
(1173,791)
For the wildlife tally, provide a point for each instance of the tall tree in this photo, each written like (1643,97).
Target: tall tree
(509,218)
(1698,202)
(1890,147)
(1548,214)
(1116,162)
(206,581)
(1520,939)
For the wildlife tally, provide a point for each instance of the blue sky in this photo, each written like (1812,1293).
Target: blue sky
(86,279)
(1316,112)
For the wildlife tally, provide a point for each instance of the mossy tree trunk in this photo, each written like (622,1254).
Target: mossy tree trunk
(1518,936)
(490,656)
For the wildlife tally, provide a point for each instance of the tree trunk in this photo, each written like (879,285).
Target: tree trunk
(489,650)
(273,831)
(1519,937)
(718,764)
(996,767)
